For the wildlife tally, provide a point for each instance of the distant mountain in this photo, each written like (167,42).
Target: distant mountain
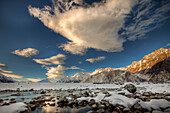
(47,80)
(149,60)
(5,79)
(112,76)
(76,78)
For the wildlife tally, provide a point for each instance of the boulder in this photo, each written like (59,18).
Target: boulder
(130,87)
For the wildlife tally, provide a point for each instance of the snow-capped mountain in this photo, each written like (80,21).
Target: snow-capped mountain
(113,76)
(47,80)
(149,60)
(76,78)
(5,79)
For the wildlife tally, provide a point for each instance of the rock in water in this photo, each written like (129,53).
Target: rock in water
(131,88)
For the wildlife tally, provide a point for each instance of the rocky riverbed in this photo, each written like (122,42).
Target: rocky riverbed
(129,98)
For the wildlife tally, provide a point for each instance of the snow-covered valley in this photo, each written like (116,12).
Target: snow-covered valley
(83,97)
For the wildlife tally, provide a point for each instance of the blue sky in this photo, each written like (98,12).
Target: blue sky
(132,37)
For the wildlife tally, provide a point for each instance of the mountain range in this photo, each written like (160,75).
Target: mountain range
(154,67)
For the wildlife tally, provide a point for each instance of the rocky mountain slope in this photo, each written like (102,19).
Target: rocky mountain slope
(5,79)
(114,76)
(160,72)
(149,60)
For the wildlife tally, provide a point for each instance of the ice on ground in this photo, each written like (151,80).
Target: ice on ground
(155,104)
(14,108)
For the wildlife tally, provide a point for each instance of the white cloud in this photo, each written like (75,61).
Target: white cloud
(59,71)
(34,79)
(28,52)
(93,60)
(58,59)
(85,26)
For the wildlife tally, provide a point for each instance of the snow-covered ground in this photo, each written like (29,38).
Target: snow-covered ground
(14,108)
(114,98)
(159,88)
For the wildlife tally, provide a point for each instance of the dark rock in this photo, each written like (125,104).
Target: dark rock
(32,102)
(100,111)
(131,88)
(18,89)
(42,92)
(33,107)
(5,103)
(12,99)
(1,100)
(12,102)
(44,104)
(91,102)
(83,103)
(94,106)
(71,103)
(146,94)
(62,102)
(126,110)
(137,106)
(86,94)
(52,104)
(31,89)
(17,94)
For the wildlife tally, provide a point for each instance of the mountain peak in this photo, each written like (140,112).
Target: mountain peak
(149,60)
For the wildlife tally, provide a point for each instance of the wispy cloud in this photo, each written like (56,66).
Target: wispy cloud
(8,73)
(167,45)
(59,71)
(86,26)
(12,75)
(93,60)
(34,79)
(28,52)
(146,16)
(58,59)
(3,65)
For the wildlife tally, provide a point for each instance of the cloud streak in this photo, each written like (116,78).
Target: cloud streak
(8,73)
(33,79)
(28,52)
(145,17)
(94,60)
(58,59)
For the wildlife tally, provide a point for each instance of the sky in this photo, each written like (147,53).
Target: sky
(55,38)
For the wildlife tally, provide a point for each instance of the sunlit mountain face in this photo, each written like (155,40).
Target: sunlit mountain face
(70,40)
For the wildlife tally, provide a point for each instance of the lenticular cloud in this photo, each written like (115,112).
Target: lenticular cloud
(86,26)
